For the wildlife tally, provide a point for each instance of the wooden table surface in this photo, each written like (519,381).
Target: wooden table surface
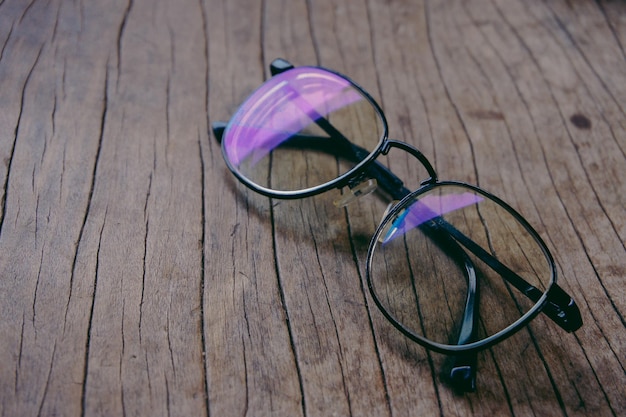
(138,277)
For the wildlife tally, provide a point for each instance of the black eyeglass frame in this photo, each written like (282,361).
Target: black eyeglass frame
(554,301)
(488,341)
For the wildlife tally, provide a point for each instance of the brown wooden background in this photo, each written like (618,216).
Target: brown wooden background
(137,277)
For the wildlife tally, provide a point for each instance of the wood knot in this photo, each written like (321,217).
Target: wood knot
(580,121)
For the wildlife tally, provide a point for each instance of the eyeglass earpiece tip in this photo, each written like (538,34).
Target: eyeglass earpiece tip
(463,379)
(218,130)
(280,65)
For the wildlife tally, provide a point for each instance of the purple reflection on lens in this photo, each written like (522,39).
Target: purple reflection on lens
(428,208)
(282,107)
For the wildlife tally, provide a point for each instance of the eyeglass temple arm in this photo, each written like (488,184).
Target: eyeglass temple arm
(560,306)
(463,371)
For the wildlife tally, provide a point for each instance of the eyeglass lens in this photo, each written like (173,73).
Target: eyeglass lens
(307,121)
(422,270)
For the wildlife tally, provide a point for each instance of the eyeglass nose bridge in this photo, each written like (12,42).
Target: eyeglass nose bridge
(391,143)
(377,175)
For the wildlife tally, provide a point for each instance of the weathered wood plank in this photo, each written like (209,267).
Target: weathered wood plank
(138,277)
(145,341)
(49,169)
(251,365)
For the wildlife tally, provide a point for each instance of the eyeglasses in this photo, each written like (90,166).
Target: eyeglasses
(451,266)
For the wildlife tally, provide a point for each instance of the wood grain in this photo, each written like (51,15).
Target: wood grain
(138,277)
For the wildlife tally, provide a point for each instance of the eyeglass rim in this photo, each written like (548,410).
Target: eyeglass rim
(339,182)
(490,340)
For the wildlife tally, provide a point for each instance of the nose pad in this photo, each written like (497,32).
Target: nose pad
(352,192)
